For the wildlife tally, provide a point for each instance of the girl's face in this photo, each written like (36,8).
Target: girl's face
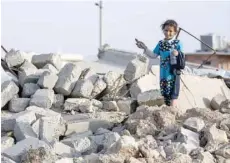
(169,32)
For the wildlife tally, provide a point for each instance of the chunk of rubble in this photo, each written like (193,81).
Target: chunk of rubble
(150,98)
(110,105)
(110,158)
(8,90)
(217,101)
(128,106)
(224,151)
(41,60)
(142,85)
(99,86)
(27,65)
(14,58)
(28,76)
(47,80)
(18,104)
(63,150)
(83,88)
(41,112)
(8,123)
(164,118)
(29,89)
(67,78)
(51,68)
(6,142)
(194,124)
(205,157)
(147,147)
(58,101)
(225,125)
(174,148)
(225,107)
(42,98)
(135,69)
(5,159)
(23,130)
(17,151)
(180,158)
(66,160)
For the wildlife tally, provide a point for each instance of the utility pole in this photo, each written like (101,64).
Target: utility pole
(99,4)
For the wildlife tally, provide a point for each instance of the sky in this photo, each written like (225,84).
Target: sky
(73,26)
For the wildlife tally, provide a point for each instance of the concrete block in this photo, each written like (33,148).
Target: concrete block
(23,130)
(5,159)
(27,76)
(99,86)
(41,112)
(42,98)
(51,128)
(6,142)
(128,106)
(67,78)
(75,135)
(83,88)
(74,103)
(217,101)
(15,152)
(90,106)
(41,60)
(18,104)
(8,90)
(29,89)
(135,69)
(63,150)
(51,68)
(150,98)
(47,80)
(58,101)
(65,160)
(194,124)
(27,65)
(142,85)
(8,123)
(14,58)
(36,126)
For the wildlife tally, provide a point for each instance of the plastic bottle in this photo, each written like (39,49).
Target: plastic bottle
(173,59)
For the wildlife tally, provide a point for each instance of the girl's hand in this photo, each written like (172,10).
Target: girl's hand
(140,44)
(175,52)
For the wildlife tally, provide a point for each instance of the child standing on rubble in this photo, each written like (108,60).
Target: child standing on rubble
(168,49)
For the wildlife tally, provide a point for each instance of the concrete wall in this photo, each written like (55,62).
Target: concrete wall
(218,61)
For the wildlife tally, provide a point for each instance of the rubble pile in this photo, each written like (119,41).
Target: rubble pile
(66,114)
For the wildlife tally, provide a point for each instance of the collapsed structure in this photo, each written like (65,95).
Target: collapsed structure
(64,113)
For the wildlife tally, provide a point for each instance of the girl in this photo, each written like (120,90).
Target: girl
(168,49)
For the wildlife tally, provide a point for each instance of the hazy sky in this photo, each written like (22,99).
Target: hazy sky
(72,27)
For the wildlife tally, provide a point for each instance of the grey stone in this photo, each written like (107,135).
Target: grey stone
(194,124)
(47,80)
(224,151)
(14,58)
(150,98)
(135,69)
(66,160)
(99,86)
(18,104)
(6,142)
(216,101)
(41,60)
(42,98)
(225,106)
(23,130)
(41,112)
(36,127)
(29,89)
(28,76)
(74,103)
(79,135)
(51,68)
(180,158)
(51,128)
(5,159)
(145,127)
(27,65)
(143,84)
(205,157)
(128,106)
(63,150)
(67,78)
(8,123)
(58,101)
(8,90)
(110,105)
(15,152)
(83,88)
(90,106)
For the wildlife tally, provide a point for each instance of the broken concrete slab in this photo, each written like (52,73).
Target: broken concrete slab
(143,84)
(135,69)
(74,103)
(36,127)
(8,90)
(205,157)
(225,107)
(66,160)
(150,98)
(28,76)
(41,60)
(128,106)
(90,106)
(6,142)
(58,101)
(23,130)
(15,152)
(63,150)
(194,124)
(51,68)
(14,58)
(110,106)
(47,80)
(99,86)
(27,65)
(29,89)
(5,159)
(41,112)
(24,116)
(67,78)
(224,151)
(83,88)
(42,98)
(217,101)
(18,104)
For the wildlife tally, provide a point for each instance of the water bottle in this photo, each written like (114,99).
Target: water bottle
(173,59)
